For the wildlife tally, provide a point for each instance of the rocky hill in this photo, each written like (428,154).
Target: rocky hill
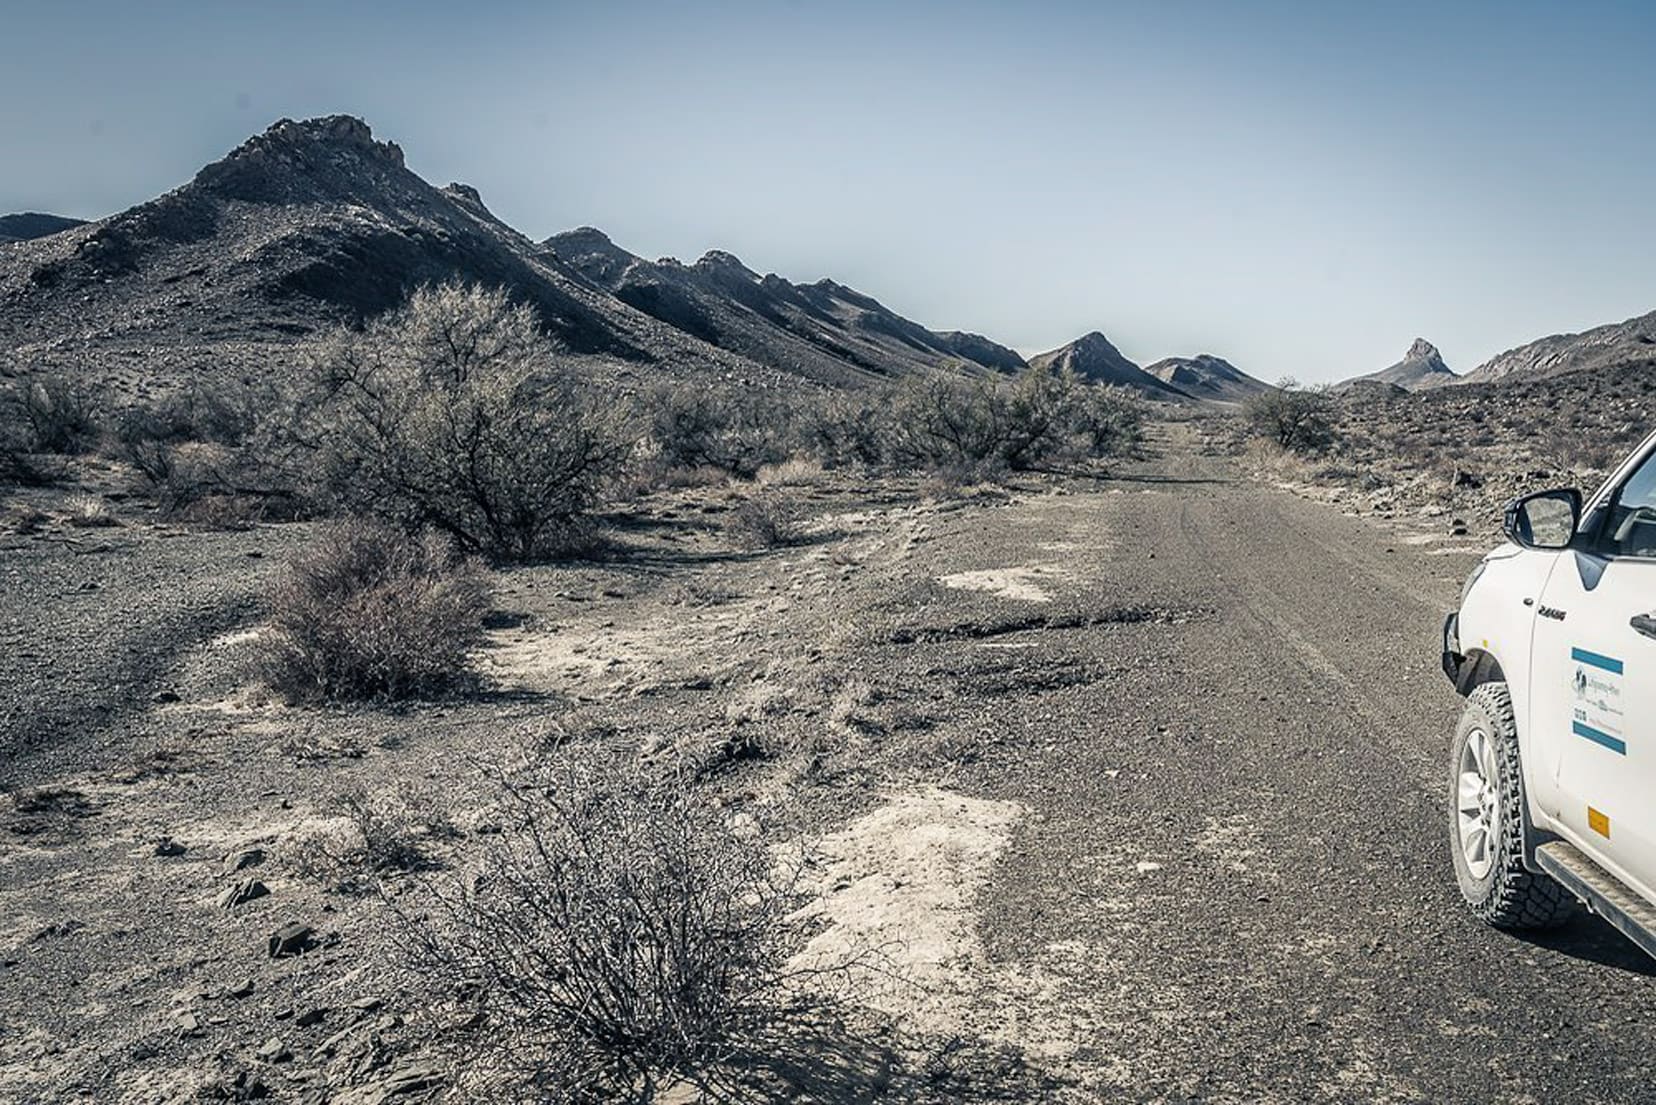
(304,227)
(823,331)
(1615,345)
(1205,376)
(1093,357)
(33,224)
(1421,367)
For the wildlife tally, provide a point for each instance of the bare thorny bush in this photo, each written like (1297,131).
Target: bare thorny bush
(365,611)
(621,935)
(450,413)
(384,832)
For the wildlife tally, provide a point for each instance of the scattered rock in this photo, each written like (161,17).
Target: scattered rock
(165,698)
(410,1079)
(291,939)
(243,989)
(274,1051)
(245,890)
(313,1015)
(187,1022)
(242,859)
(167,846)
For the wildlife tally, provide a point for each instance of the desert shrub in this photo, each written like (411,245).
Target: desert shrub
(365,611)
(449,413)
(765,522)
(90,512)
(386,830)
(735,431)
(796,472)
(213,444)
(850,429)
(1040,417)
(1296,418)
(621,934)
(50,414)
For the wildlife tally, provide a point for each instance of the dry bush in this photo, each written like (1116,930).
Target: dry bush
(620,936)
(45,413)
(1295,418)
(386,831)
(765,522)
(90,512)
(737,431)
(795,472)
(367,612)
(209,448)
(450,413)
(1039,418)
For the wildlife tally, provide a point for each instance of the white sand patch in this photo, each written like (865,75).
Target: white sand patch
(901,882)
(1019,583)
(898,890)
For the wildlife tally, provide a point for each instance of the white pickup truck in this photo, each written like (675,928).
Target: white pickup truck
(1554,761)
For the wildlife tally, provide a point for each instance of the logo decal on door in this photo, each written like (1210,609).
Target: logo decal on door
(1596,712)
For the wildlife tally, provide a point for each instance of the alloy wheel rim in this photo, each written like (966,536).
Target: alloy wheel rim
(1478,803)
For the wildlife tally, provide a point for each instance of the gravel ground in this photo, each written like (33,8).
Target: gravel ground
(1146,777)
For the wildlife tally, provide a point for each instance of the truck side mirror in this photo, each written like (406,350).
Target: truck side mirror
(1545,520)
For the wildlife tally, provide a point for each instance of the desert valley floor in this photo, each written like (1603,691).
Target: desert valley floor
(1139,782)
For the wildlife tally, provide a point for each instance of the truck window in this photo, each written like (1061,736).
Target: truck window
(1630,529)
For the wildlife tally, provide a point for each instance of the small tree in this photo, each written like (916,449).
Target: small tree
(1295,417)
(448,413)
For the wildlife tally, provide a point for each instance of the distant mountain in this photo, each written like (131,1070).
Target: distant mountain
(33,224)
(304,227)
(1421,367)
(1205,376)
(824,331)
(1093,356)
(1609,346)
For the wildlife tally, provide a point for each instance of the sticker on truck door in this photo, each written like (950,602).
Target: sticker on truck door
(1597,709)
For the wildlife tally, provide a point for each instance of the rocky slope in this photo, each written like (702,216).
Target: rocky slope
(1205,376)
(1421,367)
(304,227)
(824,331)
(1093,357)
(33,224)
(1615,345)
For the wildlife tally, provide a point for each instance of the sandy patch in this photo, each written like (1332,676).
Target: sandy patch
(1020,583)
(901,883)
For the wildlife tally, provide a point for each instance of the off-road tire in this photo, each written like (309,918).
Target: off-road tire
(1510,895)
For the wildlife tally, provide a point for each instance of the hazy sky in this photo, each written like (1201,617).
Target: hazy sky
(1300,187)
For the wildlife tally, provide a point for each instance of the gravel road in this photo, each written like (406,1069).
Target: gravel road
(1281,760)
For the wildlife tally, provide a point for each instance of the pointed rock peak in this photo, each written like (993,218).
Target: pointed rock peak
(1422,350)
(344,132)
(718,260)
(1093,339)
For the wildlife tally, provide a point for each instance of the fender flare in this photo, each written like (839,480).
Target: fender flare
(1479,667)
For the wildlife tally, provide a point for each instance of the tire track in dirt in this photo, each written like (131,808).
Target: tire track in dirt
(1247,588)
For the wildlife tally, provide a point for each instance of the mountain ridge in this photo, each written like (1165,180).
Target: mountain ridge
(824,330)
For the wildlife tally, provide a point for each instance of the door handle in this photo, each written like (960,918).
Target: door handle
(1644,623)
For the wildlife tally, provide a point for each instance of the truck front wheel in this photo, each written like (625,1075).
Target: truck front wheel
(1486,818)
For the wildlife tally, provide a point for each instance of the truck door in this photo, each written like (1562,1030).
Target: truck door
(1593,683)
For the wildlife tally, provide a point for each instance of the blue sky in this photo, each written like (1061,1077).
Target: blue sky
(1301,187)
